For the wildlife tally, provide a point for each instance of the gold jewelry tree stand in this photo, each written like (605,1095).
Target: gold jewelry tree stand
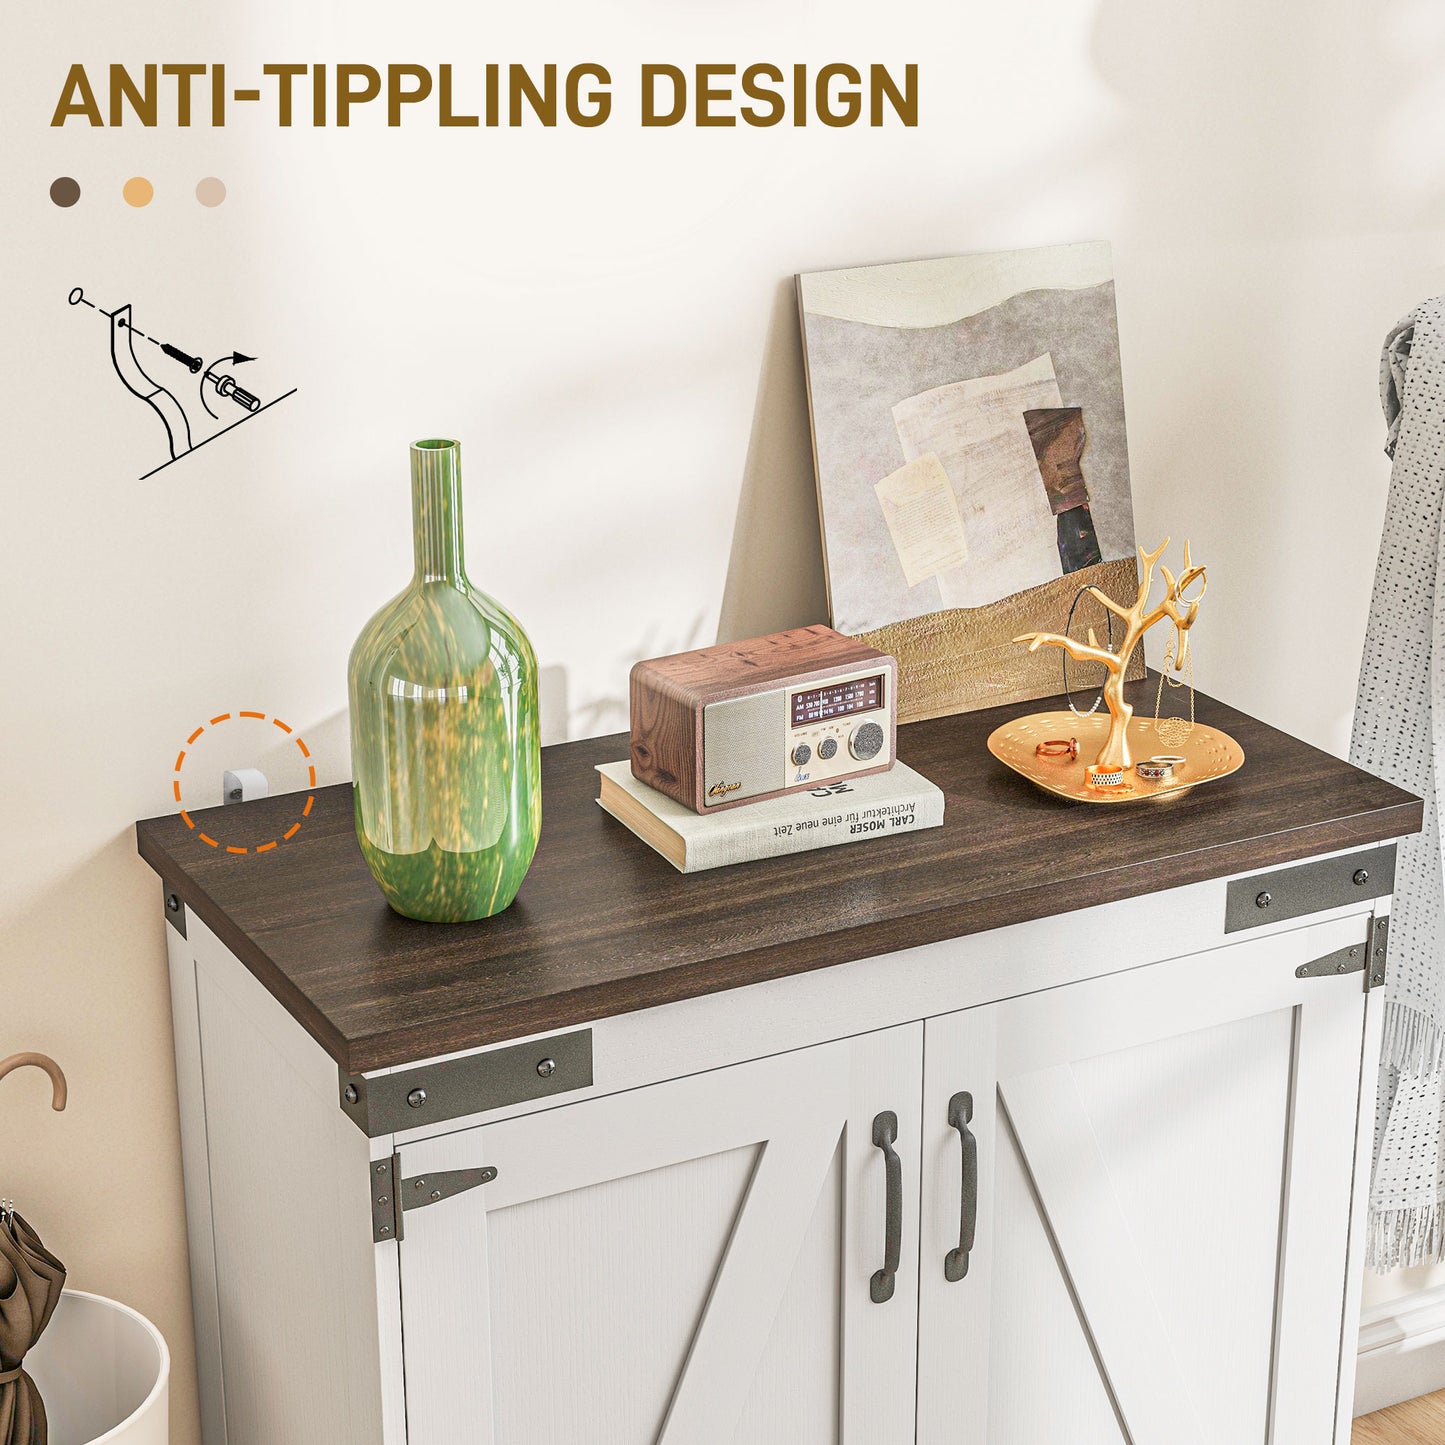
(1108,746)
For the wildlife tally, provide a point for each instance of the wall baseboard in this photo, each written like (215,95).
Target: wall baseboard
(1402,1350)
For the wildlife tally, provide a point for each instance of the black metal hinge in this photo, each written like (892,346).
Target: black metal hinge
(1379,954)
(1370,957)
(392,1197)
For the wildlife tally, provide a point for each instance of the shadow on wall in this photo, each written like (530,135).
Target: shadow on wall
(552,703)
(610,713)
(775,569)
(1279,185)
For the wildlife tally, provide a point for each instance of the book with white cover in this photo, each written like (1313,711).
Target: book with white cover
(881,805)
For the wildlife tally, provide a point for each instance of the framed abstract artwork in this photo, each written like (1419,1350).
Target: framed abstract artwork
(972,464)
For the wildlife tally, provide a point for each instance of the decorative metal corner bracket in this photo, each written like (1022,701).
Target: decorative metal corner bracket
(1309,888)
(432,1093)
(175,909)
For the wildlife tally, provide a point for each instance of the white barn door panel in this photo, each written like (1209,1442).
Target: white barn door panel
(1163,1176)
(689,1263)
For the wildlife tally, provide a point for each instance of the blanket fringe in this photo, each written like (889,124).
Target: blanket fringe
(1402,1235)
(1413,1042)
(1400,1238)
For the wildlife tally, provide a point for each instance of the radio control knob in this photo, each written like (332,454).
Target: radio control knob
(827,748)
(866,742)
(801,754)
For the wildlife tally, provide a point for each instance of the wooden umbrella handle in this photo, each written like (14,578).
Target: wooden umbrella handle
(39,1061)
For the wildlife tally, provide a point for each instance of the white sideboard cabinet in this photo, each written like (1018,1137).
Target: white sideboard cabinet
(988,1137)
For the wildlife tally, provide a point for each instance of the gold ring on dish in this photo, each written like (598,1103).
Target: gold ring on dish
(1058,748)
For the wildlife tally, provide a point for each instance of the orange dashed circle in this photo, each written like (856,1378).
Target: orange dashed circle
(292,831)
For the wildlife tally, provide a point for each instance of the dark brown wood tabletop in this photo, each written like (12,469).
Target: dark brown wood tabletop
(603,925)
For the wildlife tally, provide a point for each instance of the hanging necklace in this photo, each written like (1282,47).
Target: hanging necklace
(1068,628)
(1171,731)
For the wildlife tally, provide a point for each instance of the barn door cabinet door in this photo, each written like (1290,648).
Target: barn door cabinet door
(727,1257)
(1136,1205)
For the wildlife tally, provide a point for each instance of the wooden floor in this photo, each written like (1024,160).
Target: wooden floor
(1416,1422)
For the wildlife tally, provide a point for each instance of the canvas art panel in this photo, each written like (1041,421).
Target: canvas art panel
(972,464)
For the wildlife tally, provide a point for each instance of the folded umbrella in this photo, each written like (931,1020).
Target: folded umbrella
(31,1279)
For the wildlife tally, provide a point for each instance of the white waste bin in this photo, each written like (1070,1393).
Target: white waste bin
(104,1373)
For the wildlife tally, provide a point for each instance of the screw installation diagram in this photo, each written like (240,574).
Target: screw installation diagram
(213,381)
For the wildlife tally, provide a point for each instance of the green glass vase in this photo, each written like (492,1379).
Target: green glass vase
(445,753)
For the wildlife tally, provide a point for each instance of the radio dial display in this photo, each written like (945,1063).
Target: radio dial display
(838,699)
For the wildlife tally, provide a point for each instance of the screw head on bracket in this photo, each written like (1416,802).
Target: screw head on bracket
(173,902)
(1362,877)
(351,1095)
(1263,900)
(416,1098)
(546,1068)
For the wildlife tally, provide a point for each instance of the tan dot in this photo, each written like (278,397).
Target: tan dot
(210,191)
(137,191)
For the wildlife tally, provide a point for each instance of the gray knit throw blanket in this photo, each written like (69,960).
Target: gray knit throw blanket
(1399,734)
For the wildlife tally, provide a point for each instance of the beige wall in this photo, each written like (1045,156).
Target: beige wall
(604,318)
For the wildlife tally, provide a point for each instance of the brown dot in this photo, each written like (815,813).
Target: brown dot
(137,191)
(210,191)
(64,191)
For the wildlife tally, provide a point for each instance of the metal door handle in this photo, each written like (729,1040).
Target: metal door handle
(885,1133)
(960,1116)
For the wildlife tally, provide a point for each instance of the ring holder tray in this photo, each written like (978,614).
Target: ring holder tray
(1208,754)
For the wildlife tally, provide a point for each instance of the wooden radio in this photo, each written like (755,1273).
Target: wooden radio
(747,720)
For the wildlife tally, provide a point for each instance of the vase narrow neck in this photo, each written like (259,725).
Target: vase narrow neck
(436,512)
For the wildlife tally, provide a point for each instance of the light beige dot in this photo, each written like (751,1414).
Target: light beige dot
(210,191)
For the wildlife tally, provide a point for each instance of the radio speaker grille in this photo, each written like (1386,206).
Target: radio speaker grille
(743,743)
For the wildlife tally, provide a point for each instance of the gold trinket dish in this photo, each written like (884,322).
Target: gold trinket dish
(1208,754)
